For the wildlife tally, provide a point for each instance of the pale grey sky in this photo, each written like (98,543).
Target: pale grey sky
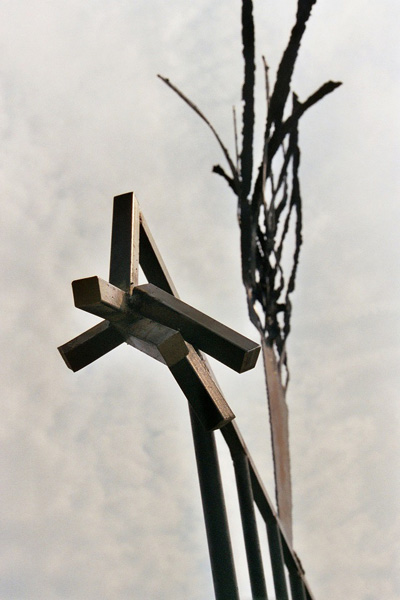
(99,496)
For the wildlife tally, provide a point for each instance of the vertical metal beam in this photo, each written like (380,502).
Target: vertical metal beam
(279,421)
(297,586)
(124,260)
(249,524)
(277,560)
(219,544)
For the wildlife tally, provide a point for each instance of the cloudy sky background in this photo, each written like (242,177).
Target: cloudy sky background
(99,496)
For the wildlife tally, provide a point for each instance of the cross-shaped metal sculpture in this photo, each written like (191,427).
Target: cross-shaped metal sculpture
(152,319)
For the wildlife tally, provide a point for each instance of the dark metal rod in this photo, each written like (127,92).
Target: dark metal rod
(249,524)
(277,562)
(297,586)
(219,544)
(235,442)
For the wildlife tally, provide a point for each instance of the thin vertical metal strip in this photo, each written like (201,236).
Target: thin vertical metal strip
(277,560)
(249,524)
(124,260)
(219,543)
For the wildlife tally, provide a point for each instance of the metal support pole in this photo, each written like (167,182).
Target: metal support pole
(297,586)
(249,524)
(277,560)
(219,544)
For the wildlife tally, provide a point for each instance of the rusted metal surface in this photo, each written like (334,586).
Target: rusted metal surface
(278,413)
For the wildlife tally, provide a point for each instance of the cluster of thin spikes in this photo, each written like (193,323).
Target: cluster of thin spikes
(269,200)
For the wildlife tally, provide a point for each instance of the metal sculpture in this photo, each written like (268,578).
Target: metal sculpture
(151,318)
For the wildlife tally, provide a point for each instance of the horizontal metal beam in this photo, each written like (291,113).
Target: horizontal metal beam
(207,334)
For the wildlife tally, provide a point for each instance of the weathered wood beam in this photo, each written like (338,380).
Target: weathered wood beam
(124,258)
(207,334)
(91,345)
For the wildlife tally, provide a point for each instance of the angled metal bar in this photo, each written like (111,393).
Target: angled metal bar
(297,586)
(151,261)
(124,262)
(200,389)
(277,560)
(217,529)
(309,596)
(249,525)
(236,444)
(124,257)
(99,297)
(102,338)
(218,538)
(207,334)
(91,345)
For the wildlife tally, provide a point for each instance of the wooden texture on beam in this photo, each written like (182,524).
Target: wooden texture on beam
(89,346)
(124,258)
(203,394)
(214,338)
